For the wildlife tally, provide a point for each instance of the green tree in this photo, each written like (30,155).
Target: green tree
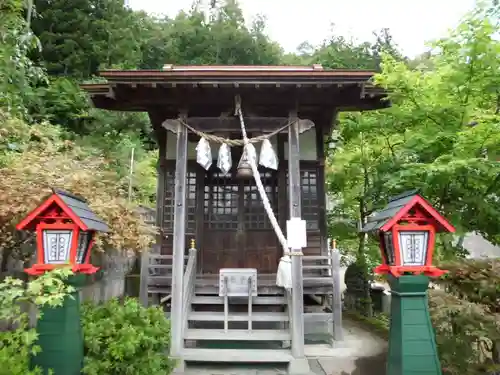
(83,36)
(79,37)
(339,52)
(441,134)
(18,74)
(219,37)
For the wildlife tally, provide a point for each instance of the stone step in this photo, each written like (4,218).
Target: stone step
(211,316)
(260,300)
(316,267)
(261,290)
(237,355)
(238,334)
(324,280)
(161,266)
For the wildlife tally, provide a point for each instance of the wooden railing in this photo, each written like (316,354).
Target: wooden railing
(329,268)
(189,283)
(156,276)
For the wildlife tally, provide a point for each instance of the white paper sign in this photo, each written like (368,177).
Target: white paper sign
(296,233)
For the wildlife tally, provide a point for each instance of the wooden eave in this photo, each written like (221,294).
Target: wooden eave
(210,90)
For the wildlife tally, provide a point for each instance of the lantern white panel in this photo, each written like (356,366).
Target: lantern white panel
(57,245)
(413,247)
(83,244)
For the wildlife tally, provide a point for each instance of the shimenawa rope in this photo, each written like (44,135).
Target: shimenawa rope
(248,144)
(260,187)
(234,142)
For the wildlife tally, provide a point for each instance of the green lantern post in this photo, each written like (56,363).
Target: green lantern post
(65,227)
(406,229)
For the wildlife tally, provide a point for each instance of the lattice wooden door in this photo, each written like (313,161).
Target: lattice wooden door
(237,232)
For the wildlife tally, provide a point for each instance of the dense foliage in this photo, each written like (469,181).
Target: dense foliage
(17,338)
(121,38)
(466,333)
(120,337)
(46,159)
(442,136)
(466,314)
(125,338)
(476,280)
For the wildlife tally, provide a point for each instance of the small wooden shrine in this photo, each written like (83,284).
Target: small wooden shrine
(288,110)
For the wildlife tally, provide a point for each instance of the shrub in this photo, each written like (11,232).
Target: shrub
(473,306)
(17,339)
(465,333)
(125,338)
(476,280)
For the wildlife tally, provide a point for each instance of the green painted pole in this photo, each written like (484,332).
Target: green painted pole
(60,335)
(412,341)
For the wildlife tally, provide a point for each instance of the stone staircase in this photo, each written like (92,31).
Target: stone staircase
(239,334)
(245,329)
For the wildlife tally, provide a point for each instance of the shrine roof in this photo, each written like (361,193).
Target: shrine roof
(202,89)
(239,71)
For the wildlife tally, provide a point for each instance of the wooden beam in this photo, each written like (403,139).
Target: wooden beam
(179,242)
(189,96)
(296,211)
(269,108)
(230,124)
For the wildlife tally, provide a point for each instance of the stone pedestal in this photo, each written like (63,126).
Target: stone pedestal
(412,343)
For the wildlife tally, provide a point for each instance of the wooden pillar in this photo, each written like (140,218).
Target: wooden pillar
(200,214)
(282,196)
(320,184)
(338,331)
(144,280)
(295,211)
(179,239)
(160,190)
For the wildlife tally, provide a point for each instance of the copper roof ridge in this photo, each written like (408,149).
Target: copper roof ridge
(241,68)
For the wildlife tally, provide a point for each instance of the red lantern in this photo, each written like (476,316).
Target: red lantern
(65,228)
(406,229)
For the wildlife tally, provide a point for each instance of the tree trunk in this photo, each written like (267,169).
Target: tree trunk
(366,303)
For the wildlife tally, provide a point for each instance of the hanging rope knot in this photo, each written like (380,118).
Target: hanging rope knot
(237,105)
(293,253)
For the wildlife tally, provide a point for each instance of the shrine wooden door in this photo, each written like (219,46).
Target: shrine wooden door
(236,230)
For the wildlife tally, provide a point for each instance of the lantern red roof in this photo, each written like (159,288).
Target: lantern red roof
(75,207)
(401,205)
